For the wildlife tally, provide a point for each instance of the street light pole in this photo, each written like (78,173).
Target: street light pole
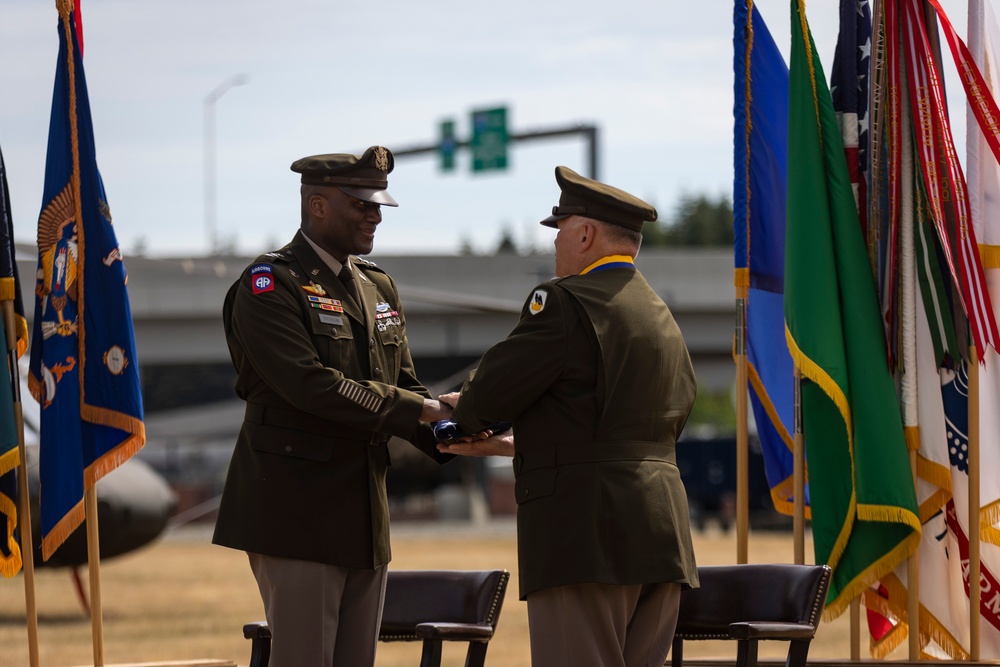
(209,112)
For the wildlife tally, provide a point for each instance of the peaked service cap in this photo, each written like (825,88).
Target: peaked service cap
(592,199)
(362,176)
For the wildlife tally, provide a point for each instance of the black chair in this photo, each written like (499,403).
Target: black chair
(748,603)
(432,606)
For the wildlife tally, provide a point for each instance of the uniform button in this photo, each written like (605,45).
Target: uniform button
(371,343)
(525,492)
(396,338)
(378,371)
(288,448)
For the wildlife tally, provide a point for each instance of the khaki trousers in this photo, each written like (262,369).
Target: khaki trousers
(320,615)
(603,625)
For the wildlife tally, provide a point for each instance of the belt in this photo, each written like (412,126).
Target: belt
(296,420)
(593,452)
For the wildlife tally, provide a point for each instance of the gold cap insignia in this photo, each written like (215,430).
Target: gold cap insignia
(381,158)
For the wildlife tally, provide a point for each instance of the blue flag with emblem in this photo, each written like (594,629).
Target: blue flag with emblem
(760,151)
(83,369)
(10,290)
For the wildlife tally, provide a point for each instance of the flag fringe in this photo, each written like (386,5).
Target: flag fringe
(989,256)
(11,563)
(874,572)
(881,648)
(989,517)
(912,436)
(117,456)
(70,522)
(934,473)
(812,371)
(741,278)
(934,504)
(931,629)
(761,391)
(8,292)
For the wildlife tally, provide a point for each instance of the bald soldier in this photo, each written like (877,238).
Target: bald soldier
(318,338)
(598,383)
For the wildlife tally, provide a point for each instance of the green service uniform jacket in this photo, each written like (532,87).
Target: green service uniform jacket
(598,383)
(326,383)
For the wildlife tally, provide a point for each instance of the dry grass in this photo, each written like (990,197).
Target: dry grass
(183,598)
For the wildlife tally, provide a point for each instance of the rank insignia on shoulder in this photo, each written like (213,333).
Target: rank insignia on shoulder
(261,279)
(314,288)
(538,301)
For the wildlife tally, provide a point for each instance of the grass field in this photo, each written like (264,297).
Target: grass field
(183,598)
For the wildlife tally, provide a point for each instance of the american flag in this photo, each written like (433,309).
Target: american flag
(849,87)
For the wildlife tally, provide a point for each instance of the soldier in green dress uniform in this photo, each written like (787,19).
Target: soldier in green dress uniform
(318,338)
(598,383)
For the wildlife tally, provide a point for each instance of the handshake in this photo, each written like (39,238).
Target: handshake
(496,440)
(447,430)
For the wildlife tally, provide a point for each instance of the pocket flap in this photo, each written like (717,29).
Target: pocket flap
(287,442)
(535,484)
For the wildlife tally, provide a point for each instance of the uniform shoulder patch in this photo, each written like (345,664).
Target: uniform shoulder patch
(538,300)
(261,278)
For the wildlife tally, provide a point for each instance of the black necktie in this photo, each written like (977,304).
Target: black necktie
(347,277)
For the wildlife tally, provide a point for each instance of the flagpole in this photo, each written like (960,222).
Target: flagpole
(799,477)
(975,593)
(24,509)
(742,446)
(94,564)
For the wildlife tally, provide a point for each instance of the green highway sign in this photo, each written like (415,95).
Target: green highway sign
(489,139)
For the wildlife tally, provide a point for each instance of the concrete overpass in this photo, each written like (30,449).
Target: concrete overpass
(456,306)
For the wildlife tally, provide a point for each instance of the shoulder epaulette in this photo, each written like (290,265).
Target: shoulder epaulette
(368,264)
(277,255)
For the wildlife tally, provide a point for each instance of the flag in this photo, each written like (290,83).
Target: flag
(10,290)
(83,368)
(864,513)
(760,149)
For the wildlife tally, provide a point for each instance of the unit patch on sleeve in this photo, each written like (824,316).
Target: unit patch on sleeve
(261,279)
(538,301)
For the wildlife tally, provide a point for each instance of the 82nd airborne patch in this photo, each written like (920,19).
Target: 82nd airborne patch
(261,279)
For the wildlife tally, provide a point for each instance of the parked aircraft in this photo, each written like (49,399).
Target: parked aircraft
(134,502)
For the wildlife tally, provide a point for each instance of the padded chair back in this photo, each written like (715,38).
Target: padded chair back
(750,603)
(442,596)
(782,593)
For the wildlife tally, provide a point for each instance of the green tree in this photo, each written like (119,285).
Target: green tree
(697,221)
(506,246)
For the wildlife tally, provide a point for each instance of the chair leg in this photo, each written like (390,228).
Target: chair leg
(260,652)
(798,651)
(677,652)
(476,655)
(746,653)
(430,656)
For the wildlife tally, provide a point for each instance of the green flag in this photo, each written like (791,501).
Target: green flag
(864,509)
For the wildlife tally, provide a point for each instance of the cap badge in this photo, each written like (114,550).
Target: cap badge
(381,159)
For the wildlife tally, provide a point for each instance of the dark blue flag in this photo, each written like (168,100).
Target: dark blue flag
(10,290)
(83,371)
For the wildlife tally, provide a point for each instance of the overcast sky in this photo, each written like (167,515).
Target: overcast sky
(331,76)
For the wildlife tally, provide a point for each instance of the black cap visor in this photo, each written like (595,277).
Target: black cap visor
(561,212)
(374,195)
